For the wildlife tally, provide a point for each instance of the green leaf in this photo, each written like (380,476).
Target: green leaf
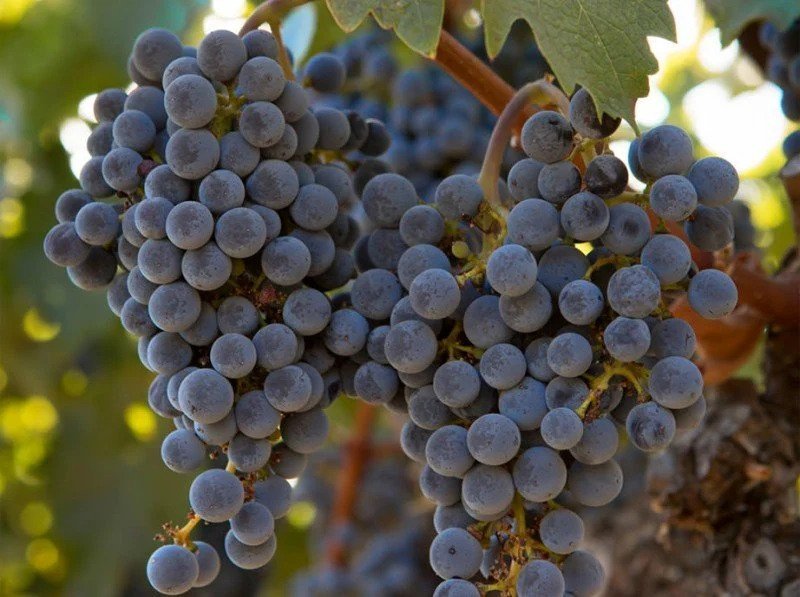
(732,16)
(417,22)
(599,44)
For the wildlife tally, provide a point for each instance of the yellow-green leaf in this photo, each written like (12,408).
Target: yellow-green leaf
(417,22)
(598,44)
(731,16)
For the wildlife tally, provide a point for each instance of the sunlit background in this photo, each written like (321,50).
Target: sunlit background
(82,486)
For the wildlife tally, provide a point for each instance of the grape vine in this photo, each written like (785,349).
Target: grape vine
(275,247)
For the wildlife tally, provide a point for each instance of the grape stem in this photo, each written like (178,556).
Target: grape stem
(357,454)
(272,12)
(599,384)
(541,92)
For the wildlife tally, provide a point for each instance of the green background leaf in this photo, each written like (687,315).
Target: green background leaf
(731,16)
(599,44)
(417,22)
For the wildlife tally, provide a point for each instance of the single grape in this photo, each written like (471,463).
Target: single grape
(458,195)
(172,570)
(237,315)
(540,578)
(434,293)
(673,198)
(628,229)
(134,130)
(664,150)
(255,416)
(182,451)
(675,382)
(305,432)
(559,181)
(503,366)
(236,155)
(206,268)
(273,184)
(221,54)
(248,455)
(347,332)
(260,79)
(205,396)
(668,257)
(208,563)
(325,72)
(421,224)
(627,339)
(455,553)
(275,493)
(523,179)
(387,197)
(487,490)
(528,312)
(581,302)
(307,311)
(253,524)
(192,153)
(376,383)
(539,474)
(153,50)
(121,169)
(109,104)
(672,337)
(524,404)
(634,291)
(174,307)
(483,323)
(493,439)
(547,137)
(650,427)
(249,557)
(216,495)
(585,216)
(559,266)
(445,451)
(712,294)
(511,270)
(64,247)
(584,117)
(598,443)
(715,180)
(594,484)
(569,354)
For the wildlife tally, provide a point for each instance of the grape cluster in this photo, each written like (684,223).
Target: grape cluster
(437,128)
(214,211)
(517,343)
(783,69)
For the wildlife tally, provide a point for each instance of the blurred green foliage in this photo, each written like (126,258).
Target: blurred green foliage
(82,486)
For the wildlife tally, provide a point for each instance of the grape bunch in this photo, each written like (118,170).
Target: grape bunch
(215,213)
(783,69)
(519,343)
(437,127)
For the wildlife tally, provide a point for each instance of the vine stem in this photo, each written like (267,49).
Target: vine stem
(539,92)
(357,454)
(472,73)
(272,13)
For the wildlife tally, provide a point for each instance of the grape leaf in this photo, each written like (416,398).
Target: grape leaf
(731,16)
(599,44)
(417,22)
